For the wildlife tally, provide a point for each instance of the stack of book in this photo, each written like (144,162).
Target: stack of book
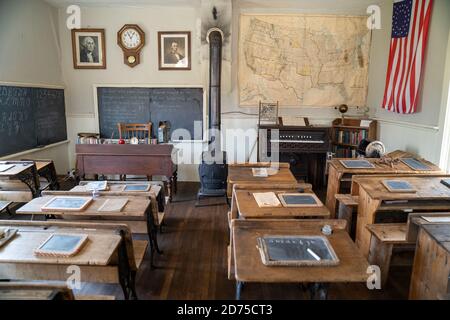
(88,138)
(351,137)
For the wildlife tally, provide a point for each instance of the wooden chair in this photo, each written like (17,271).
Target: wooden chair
(142,131)
(138,130)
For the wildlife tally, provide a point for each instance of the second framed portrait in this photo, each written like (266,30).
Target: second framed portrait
(174,50)
(88,48)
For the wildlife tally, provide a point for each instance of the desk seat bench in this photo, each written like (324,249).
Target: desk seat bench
(384,237)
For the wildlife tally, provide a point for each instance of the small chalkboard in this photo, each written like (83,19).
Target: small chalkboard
(67,204)
(296,251)
(63,245)
(299,200)
(357,164)
(415,164)
(398,186)
(136,187)
(446,182)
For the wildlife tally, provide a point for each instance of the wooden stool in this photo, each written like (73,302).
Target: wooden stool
(348,207)
(384,237)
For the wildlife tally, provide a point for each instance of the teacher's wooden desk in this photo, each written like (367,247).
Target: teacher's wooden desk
(128,159)
(430,195)
(338,175)
(248,267)
(109,256)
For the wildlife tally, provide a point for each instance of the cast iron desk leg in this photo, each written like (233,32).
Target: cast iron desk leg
(239,285)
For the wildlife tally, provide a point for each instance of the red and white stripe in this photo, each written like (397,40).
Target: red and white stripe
(405,62)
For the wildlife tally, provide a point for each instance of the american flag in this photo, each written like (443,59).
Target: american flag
(410,23)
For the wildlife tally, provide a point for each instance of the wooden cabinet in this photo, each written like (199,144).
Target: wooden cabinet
(346,134)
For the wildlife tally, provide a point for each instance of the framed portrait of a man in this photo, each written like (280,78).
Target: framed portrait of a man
(174,50)
(88,48)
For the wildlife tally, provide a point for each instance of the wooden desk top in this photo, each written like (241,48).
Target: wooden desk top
(244,174)
(440,233)
(249,267)
(98,250)
(42,164)
(18,168)
(248,208)
(136,207)
(427,188)
(381,168)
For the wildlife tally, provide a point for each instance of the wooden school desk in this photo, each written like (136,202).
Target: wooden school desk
(243,174)
(109,256)
(430,277)
(248,267)
(26,172)
(136,214)
(128,159)
(338,175)
(155,194)
(431,195)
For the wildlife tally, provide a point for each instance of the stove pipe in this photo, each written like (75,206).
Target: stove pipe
(214,38)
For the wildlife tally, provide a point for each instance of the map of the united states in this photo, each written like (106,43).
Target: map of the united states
(303,60)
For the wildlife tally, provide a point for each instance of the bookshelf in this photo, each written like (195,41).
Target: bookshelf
(347,134)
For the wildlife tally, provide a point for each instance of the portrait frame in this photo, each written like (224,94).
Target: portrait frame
(183,40)
(99,53)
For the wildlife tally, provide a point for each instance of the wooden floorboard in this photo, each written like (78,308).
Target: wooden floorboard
(194,263)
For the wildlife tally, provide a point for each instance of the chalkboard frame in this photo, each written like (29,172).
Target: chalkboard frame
(154,86)
(37,86)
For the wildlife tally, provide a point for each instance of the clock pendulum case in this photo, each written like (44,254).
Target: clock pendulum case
(131,38)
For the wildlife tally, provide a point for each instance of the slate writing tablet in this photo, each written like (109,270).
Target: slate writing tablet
(64,245)
(282,250)
(415,164)
(357,164)
(299,200)
(398,186)
(67,204)
(137,187)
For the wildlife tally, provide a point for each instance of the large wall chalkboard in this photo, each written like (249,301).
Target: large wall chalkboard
(30,118)
(182,107)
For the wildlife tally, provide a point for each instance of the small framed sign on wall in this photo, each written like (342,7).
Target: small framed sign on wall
(88,48)
(174,50)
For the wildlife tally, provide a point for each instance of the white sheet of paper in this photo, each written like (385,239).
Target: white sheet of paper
(260,172)
(437,219)
(294,121)
(266,199)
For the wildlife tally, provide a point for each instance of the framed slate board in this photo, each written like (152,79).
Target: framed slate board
(30,117)
(357,164)
(296,251)
(299,200)
(415,164)
(182,107)
(63,245)
(398,186)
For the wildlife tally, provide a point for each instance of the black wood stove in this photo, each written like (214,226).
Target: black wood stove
(213,170)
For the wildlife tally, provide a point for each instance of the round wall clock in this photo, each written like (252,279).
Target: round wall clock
(131,38)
